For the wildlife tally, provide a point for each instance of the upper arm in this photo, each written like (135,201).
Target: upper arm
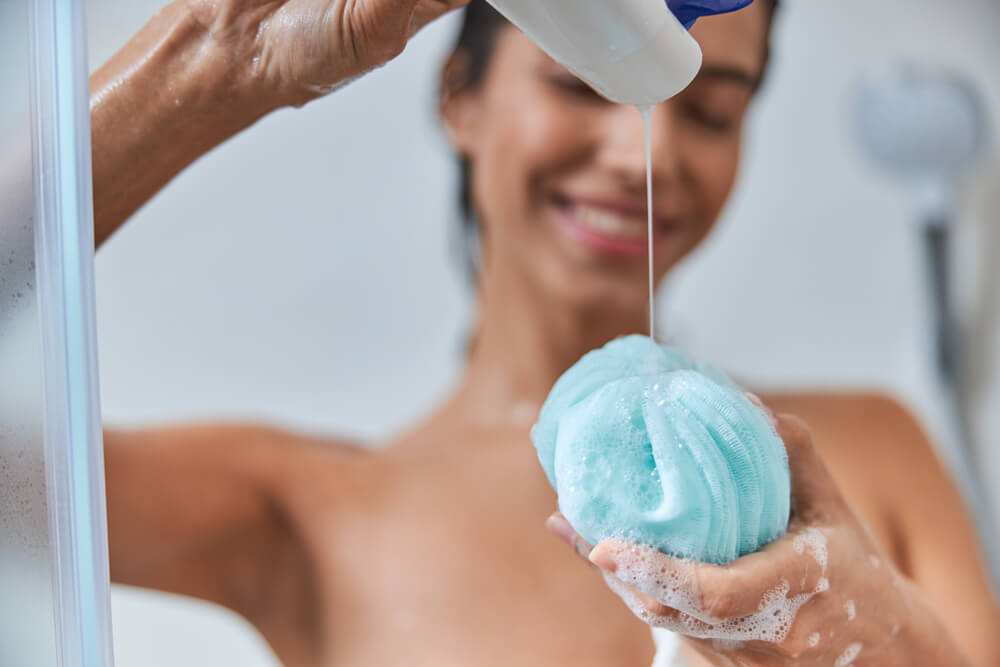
(194,510)
(889,473)
(941,550)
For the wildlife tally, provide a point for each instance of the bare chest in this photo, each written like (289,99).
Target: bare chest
(447,562)
(444,559)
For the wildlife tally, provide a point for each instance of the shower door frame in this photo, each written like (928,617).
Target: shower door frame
(64,260)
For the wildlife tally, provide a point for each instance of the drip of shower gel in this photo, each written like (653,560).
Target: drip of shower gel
(642,445)
(689,11)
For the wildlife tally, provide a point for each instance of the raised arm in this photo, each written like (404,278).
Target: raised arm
(198,510)
(202,70)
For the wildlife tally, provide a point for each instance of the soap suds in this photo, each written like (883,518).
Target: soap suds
(676,588)
(812,539)
(723,645)
(848,656)
(849,608)
(813,640)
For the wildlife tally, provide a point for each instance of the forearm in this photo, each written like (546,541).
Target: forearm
(167,97)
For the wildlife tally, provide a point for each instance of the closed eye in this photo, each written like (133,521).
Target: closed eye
(703,117)
(569,84)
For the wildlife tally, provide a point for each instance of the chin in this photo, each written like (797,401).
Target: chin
(598,293)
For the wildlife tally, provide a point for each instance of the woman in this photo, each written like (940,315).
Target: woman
(433,551)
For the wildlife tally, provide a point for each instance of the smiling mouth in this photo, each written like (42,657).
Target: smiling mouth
(610,223)
(619,230)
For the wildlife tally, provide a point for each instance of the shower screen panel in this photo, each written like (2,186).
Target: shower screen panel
(53,541)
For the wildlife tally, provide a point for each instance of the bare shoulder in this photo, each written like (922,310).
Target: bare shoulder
(879,455)
(889,472)
(865,433)
(877,451)
(848,413)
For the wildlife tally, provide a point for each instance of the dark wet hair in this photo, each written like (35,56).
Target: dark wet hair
(481,26)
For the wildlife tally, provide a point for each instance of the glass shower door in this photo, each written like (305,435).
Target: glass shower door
(53,538)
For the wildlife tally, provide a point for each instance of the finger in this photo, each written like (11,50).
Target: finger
(648,610)
(560,527)
(669,581)
(658,615)
(792,566)
(429,10)
(815,496)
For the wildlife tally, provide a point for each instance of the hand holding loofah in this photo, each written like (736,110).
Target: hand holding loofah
(642,445)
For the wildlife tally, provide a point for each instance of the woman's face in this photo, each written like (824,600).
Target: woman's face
(558,174)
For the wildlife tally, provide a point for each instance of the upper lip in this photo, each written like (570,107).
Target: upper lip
(628,208)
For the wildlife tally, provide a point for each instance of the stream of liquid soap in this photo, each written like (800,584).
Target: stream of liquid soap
(647,122)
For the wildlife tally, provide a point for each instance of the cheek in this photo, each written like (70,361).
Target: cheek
(709,172)
(713,170)
(527,141)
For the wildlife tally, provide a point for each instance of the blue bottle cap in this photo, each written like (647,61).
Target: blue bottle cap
(689,11)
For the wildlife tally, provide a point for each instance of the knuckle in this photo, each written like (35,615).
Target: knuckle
(395,46)
(722,603)
(202,11)
(386,47)
(794,431)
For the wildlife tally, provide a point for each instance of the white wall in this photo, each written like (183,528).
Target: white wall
(302,273)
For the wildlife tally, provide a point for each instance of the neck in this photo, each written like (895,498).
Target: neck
(523,342)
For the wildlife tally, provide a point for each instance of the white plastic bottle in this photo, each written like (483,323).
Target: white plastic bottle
(630,51)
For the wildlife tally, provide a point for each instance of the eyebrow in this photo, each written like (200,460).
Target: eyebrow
(729,73)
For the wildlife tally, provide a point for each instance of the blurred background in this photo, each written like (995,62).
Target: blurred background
(305,273)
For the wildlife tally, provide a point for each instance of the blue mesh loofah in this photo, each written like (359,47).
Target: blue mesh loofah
(642,445)
(688,11)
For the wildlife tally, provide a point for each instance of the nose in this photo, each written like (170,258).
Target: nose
(623,149)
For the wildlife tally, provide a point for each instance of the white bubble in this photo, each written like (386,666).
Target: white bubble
(849,608)
(643,570)
(813,541)
(848,656)
(813,639)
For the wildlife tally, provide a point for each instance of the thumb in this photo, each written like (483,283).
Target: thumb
(815,495)
(429,10)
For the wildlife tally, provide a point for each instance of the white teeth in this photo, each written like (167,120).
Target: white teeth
(611,224)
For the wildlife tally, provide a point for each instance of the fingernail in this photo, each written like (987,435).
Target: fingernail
(604,557)
(558,525)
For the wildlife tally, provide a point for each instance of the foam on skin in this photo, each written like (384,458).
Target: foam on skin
(848,656)
(641,569)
